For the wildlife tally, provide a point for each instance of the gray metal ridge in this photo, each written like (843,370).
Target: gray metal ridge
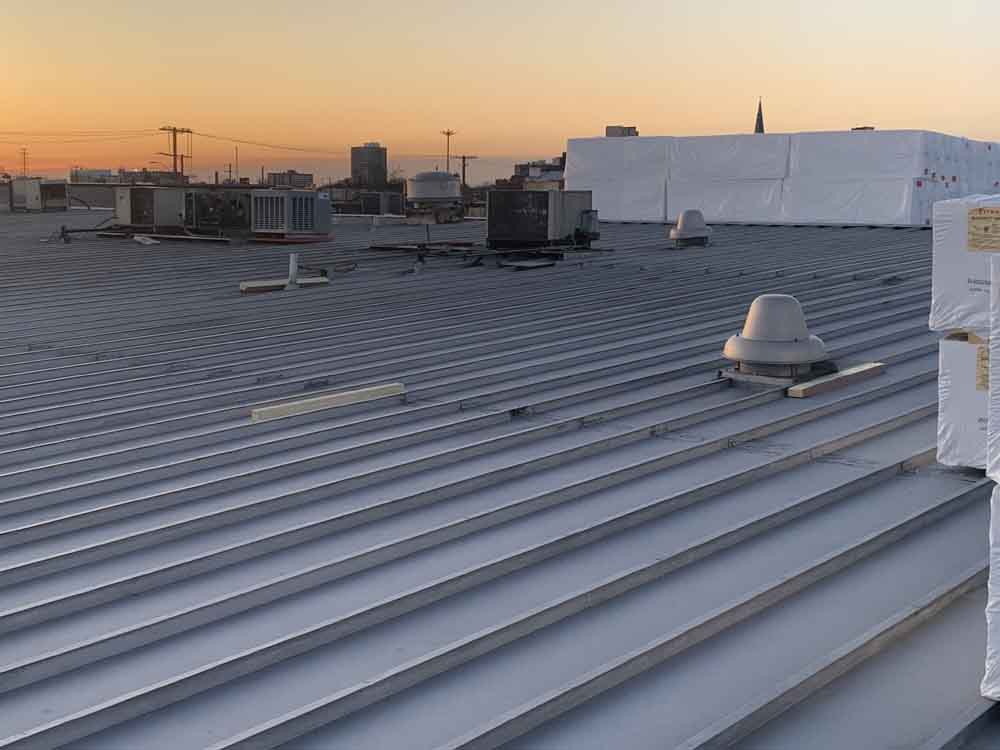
(13,676)
(629,666)
(742,722)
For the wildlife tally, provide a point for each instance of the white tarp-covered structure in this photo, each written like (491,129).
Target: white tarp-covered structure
(897,201)
(729,157)
(887,177)
(627,176)
(749,201)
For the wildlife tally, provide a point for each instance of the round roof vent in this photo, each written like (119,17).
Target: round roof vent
(691,229)
(775,334)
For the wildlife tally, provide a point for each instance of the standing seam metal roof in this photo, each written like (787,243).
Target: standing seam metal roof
(569,533)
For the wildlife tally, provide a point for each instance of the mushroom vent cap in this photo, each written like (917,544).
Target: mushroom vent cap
(775,332)
(690,225)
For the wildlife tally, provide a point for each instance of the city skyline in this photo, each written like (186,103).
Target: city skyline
(515,80)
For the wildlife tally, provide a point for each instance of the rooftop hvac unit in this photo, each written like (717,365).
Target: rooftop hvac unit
(217,210)
(536,218)
(36,194)
(154,208)
(289,212)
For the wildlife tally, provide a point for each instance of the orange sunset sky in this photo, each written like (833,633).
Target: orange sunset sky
(515,78)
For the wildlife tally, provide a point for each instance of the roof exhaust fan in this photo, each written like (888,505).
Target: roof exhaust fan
(776,344)
(691,229)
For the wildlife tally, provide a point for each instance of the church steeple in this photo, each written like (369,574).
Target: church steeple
(759,126)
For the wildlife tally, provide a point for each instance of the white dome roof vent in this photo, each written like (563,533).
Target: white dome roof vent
(775,341)
(691,229)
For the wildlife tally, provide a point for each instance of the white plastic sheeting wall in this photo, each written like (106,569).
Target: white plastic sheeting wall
(729,157)
(645,184)
(627,176)
(858,155)
(598,165)
(751,201)
(887,177)
(896,201)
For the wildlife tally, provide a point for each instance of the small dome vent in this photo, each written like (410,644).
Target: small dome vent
(775,341)
(691,229)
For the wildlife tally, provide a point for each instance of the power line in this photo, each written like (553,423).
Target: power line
(103,139)
(59,137)
(261,144)
(61,133)
(301,149)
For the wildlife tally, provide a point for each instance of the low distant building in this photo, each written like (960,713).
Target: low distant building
(537,175)
(369,165)
(621,131)
(102,176)
(368,202)
(151,177)
(291,179)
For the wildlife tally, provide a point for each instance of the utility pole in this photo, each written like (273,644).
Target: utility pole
(448,134)
(465,158)
(174,131)
(24,161)
(237,163)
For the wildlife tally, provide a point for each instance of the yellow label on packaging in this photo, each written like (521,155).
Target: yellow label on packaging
(982,368)
(984,229)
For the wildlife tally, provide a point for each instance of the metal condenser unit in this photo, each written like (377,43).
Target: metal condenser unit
(290,212)
(539,218)
(149,207)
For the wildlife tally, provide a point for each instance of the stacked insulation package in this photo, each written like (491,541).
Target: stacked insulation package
(965,308)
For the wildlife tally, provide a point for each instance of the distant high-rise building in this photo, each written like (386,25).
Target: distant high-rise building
(291,179)
(620,131)
(759,125)
(369,165)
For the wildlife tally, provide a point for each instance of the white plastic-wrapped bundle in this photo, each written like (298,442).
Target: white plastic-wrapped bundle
(750,201)
(963,400)
(990,686)
(960,285)
(863,154)
(598,165)
(729,157)
(878,201)
(645,179)
(626,176)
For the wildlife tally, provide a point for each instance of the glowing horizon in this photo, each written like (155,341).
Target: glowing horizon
(514,79)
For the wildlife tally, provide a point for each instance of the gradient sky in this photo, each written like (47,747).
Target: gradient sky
(515,78)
